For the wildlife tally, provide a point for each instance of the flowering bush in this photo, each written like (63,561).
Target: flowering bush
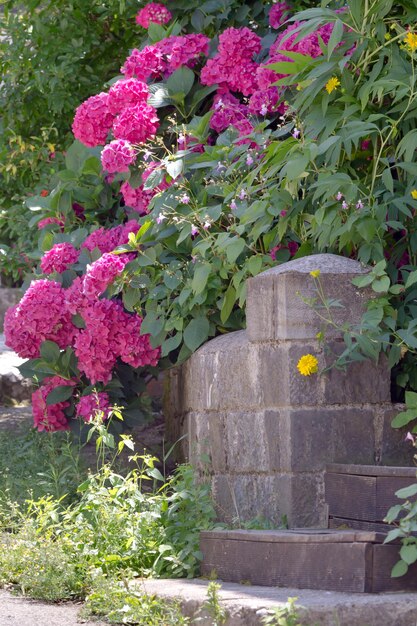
(233,156)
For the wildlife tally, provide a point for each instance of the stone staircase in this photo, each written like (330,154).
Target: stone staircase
(349,556)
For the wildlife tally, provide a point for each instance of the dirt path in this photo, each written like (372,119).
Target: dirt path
(18,611)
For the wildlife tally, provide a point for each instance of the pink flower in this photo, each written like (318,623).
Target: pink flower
(144,64)
(111,333)
(127,93)
(50,417)
(117,156)
(153,12)
(278,14)
(106,240)
(93,121)
(164,57)
(59,258)
(89,406)
(233,68)
(138,199)
(194,230)
(228,111)
(50,220)
(266,101)
(136,124)
(100,274)
(292,247)
(41,315)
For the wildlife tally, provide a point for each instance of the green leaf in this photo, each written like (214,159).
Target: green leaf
(196,333)
(228,303)
(335,38)
(50,352)
(159,96)
(59,394)
(403,418)
(408,553)
(411,399)
(171,343)
(407,492)
(201,274)
(181,81)
(399,569)
(381,285)
(174,167)
(234,248)
(411,279)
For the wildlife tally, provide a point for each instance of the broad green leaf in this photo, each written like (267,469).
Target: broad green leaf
(228,303)
(408,553)
(196,333)
(201,274)
(59,394)
(50,352)
(407,492)
(181,81)
(235,248)
(399,569)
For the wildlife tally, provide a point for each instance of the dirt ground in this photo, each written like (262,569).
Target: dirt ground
(18,611)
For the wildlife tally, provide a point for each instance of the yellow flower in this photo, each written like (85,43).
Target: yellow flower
(315,273)
(414,194)
(307,365)
(411,41)
(332,84)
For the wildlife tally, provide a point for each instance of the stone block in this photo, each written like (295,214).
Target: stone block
(394,449)
(206,441)
(361,382)
(308,439)
(275,306)
(296,499)
(247,442)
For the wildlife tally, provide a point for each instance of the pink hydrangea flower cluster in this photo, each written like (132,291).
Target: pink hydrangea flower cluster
(50,417)
(101,274)
(93,121)
(40,315)
(232,67)
(50,220)
(264,101)
(127,93)
(88,406)
(139,199)
(153,12)
(136,124)
(111,333)
(278,14)
(107,239)
(164,57)
(59,258)
(117,156)
(228,111)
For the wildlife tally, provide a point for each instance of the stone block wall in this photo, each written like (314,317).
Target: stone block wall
(261,431)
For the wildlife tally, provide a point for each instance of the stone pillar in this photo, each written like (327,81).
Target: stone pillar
(263,432)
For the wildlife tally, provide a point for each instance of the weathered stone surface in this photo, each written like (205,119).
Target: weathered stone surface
(268,432)
(8,297)
(275,306)
(279,498)
(394,449)
(311,438)
(13,387)
(246,605)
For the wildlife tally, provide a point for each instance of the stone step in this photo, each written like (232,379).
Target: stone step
(14,417)
(325,559)
(14,389)
(246,605)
